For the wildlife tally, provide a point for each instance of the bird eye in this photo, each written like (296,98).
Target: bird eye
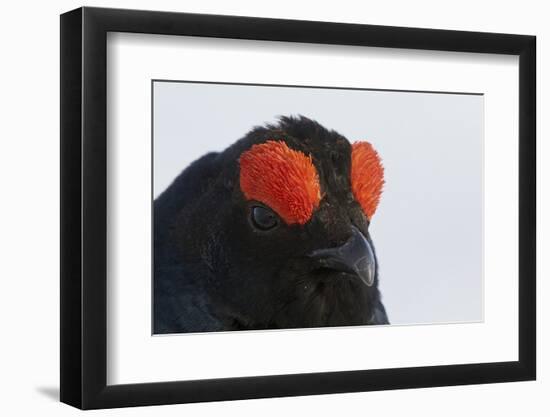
(263,218)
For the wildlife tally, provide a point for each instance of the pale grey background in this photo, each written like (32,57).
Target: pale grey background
(428,228)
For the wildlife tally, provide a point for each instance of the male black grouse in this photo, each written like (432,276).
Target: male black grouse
(271,233)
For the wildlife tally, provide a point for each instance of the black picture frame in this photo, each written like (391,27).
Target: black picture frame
(84,222)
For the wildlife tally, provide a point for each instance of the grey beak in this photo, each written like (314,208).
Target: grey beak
(355,256)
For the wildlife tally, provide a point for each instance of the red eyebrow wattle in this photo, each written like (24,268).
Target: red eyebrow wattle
(281,178)
(367,177)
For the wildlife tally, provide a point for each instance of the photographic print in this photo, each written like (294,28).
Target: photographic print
(281,207)
(330,185)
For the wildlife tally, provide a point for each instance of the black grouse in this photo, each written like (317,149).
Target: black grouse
(271,233)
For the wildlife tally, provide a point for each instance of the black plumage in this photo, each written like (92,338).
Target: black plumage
(216,269)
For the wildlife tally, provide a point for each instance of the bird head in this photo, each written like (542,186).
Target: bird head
(278,235)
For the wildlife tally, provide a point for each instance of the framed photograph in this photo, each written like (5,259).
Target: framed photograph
(255,208)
